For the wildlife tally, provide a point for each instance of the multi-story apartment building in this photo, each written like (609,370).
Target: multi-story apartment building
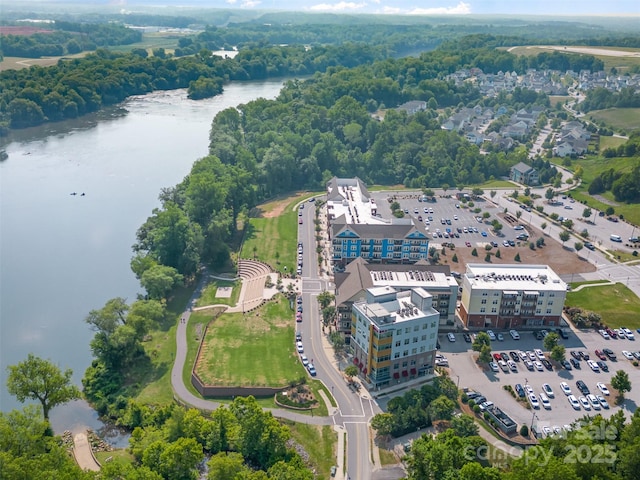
(351,286)
(511,296)
(394,335)
(357,230)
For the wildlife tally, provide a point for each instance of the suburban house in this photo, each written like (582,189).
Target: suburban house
(394,335)
(413,107)
(523,173)
(351,286)
(511,296)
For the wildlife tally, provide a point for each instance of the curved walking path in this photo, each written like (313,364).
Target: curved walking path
(182,392)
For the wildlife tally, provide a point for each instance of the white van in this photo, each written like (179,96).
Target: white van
(615,238)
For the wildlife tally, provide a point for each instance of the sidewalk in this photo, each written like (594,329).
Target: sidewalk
(83,454)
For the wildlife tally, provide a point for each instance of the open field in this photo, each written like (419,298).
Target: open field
(256,349)
(272,233)
(610,142)
(556,100)
(621,58)
(619,118)
(617,305)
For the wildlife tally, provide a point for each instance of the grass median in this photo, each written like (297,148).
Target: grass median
(617,305)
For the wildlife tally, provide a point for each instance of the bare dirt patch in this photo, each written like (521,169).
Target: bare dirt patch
(562,260)
(276,207)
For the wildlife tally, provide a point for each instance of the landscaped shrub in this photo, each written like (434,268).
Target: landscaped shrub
(464,398)
(472,403)
(476,409)
(524,431)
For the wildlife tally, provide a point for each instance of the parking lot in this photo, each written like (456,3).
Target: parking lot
(467,373)
(446,216)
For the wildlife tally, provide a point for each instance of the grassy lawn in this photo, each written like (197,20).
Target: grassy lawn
(208,296)
(617,305)
(610,142)
(319,442)
(619,118)
(256,349)
(558,99)
(387,457)
(272,236)
(117,456)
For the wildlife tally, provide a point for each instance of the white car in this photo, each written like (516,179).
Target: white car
(528,389)
(585,403)
(573,401)
(603,402)
(628,333)
(538,353)
(512,366)
(548,390)
(514,334)
(628,355)
(603,388)
(299,347)
(593,365)
(604,334)
(451,337)
(533,400)
(304,359)
(532,356)
(522,355)
(503,366)
(492,336)
(566,389)
(538,365)
(500,337)
(595,404)
(545,401)
(493,366)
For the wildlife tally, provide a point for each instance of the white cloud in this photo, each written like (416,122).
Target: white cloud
(250,3)
(460,9)
(337,7)
(391,10)
(231,2)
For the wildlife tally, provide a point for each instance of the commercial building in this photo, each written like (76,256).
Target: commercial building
(356,229)
(394,335)
(351,286)
(511,296)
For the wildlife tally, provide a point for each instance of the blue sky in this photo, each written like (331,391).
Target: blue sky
(431,7)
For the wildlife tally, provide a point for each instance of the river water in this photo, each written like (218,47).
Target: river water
(62,255)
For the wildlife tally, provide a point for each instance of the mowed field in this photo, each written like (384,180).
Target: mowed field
(619,118)
(256,349)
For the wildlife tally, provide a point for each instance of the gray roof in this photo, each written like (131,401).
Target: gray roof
(399,229)
(522,167)
(357,276)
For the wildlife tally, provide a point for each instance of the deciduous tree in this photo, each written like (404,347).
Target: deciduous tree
(38,379)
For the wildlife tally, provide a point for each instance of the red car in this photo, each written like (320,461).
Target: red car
(497,356)
(612,333)
(600,355)
(468,244)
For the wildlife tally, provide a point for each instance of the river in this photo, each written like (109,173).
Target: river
(62,255)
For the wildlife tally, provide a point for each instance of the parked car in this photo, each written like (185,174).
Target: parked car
(299,347)
(304,359)
(575,363)
(547,364)
(514,334)
(312,370)
(603,366)
(584,403)
(493,366)
(573,401)
(595,404)
(603,402)
(529,365)
(504,356)
(566,389)
(609,353)
(533,400)
(600,355)
(567,365)
(467,337)
(514,356)
(492,336)
(628,355)
(451,337)
(545,401)
(575,354)
(519,390)
(593,365)
(582,387)
(584,355)
(548,390)
(603,388)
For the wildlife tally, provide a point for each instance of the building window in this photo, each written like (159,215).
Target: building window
(404,354)
(482,310)
(552,294)
(484,301)
(538,311)
(416,328)
(396,355)
(407,330)
(484,294)
(550,302)
(493,310)
(495,302)
(422,349)
(424,326)
(415,339)
(399,331)
(398,343)
(542,294)
(414,351)
(406,341)
(432,336)
(396,366)
(413,362)
(548,311)
(495,294)
(404,364)
(433,324)
(424,338)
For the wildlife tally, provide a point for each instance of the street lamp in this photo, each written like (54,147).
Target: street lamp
(458,383)
(534,416)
